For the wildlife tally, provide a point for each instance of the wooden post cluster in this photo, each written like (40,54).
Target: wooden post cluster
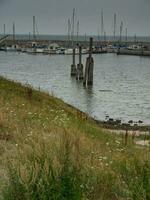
(88,77)
(79,74)
(78,71)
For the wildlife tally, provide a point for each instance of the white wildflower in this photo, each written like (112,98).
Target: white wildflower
(117,142)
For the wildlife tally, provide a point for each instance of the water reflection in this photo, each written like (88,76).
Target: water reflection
(89,99)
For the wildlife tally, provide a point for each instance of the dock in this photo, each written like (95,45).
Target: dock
(44,46)
(133,52)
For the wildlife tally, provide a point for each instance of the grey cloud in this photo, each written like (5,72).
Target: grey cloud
(52,15)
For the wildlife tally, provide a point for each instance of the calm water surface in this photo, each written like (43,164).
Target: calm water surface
(121,83)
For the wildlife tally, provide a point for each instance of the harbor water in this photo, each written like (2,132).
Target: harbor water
(121,86)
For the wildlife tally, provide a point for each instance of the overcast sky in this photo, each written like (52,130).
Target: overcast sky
(52,15)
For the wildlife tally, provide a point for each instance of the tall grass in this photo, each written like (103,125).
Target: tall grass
(50,151)
(57,174)
(60,173)
(135,176)
(45,175)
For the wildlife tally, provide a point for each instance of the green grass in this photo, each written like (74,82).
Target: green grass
(51,151)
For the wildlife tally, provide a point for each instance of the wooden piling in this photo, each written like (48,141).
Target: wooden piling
(88,77)
(73,66)
(79,74)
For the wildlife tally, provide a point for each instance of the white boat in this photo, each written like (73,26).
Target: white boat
(2,48)
(70,51)
(23,50)
(11,49)
(39,50)
(49,51)
(85,51)
(134,47)
(60,51)
(31,50)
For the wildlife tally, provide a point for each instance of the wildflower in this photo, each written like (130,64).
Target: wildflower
(117,142)
(81,186)
(121,149)
(118,150)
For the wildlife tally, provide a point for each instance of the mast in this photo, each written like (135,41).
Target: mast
(102,25)
(135,38)
(73,20)
(4,30)
(115,17)
(121,29)
(69,28)
(85,37)
(34,27)
(98,36)
(29,36)
(14,31)
(126,35)
(105,36)
(78,31)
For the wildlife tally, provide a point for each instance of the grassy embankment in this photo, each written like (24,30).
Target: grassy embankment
(49,150)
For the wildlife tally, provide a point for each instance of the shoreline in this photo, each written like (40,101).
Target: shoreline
(110,124)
